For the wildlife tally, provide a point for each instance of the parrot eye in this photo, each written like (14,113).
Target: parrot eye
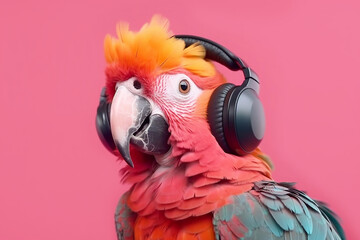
(137,84)
(184,86)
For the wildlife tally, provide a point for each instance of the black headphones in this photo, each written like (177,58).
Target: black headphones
(235,113)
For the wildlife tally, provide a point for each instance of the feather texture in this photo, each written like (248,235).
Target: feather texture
(124,220)
(274,210)
(170,196)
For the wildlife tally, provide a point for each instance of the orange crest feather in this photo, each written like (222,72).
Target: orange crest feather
(153,50)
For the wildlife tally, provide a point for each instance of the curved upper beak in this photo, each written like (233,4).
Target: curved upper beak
(131,121)
(128,112)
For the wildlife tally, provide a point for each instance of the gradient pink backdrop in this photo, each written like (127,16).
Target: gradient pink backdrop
(56,179)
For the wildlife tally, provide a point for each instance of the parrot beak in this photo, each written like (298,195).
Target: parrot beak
(131,121)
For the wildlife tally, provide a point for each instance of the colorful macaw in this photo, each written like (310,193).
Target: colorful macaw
(183,184)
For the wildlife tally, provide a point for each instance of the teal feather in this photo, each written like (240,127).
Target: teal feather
(269,195)
(244,207)
(261,234)
(284,219)
(293,205)
(329,235)
(275,211)
(305,222)
(272,225)
(275,205)
(226,213)
(311,203)
(305,208)
(333,219)
(124,219)
(320,227)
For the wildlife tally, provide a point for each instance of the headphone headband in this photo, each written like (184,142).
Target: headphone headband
(220,54)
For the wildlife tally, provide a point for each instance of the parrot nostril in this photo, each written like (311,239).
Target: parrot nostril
(137,84)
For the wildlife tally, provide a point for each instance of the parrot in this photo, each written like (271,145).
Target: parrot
(182,184)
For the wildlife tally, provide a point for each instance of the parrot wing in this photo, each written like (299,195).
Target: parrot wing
(124,220)
(275,211)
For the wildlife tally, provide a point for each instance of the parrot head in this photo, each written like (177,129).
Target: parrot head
(159,90)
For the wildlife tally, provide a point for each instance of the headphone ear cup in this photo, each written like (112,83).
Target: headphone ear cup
(236,118)
(103,122)
(244,120)
(215,114)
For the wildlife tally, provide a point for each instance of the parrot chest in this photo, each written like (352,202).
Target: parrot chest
(161,228)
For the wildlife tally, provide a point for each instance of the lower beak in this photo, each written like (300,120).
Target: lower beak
(128,113)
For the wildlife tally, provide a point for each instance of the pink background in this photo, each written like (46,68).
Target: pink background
(56,179)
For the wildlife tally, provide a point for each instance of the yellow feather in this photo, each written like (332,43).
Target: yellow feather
(199,67)
(195,50)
